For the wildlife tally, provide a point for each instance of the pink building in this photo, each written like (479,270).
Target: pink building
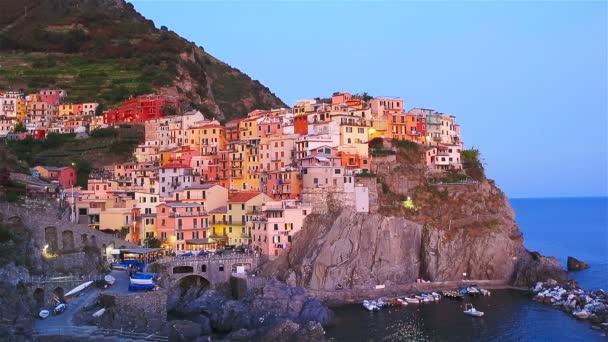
(177,223)
(65,176)
(272,229)
(338,98)
(444,157)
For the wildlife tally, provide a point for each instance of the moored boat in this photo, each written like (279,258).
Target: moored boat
(78,288)
(471,311)
(136,281)
(436,295)
(144,275)
(99,312)
(59,309)
(370,305)
(412,300)
(485,292)
(109,279)
(401,302)
(141,287)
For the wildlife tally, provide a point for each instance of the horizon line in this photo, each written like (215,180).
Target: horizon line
(560,197)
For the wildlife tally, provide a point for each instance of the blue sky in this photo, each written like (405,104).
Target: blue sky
(526,80)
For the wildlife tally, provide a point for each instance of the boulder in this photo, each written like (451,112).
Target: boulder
(240,335)
(574,264)
(582,314)
(313,310)
(184,331)
(283,331)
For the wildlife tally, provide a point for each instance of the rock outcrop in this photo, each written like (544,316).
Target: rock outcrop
(468,229)
(574,264)
(273,313)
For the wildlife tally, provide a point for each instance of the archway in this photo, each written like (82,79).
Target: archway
(93,241)
(191,287)
(50,237)
(14,220)
(39,296)
(183,269)
(67,238)
(59,293)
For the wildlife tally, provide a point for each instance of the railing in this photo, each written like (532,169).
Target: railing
(91,331)
(47,279)
(188,214)
(208,257)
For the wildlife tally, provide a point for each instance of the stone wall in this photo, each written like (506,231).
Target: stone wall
(324,200)
(50,226)
(144,312)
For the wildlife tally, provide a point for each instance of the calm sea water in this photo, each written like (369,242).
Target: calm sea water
(558,227)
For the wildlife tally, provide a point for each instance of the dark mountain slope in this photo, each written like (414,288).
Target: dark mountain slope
(105,50)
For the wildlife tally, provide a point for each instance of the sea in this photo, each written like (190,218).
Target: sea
(559,227)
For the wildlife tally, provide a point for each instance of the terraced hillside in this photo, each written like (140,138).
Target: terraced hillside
(105,50)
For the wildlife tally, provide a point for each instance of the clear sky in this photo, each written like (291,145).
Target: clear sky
(527,80)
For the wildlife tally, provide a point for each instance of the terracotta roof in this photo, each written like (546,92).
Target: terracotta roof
(243,196)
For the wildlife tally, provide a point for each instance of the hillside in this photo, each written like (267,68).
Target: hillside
(105,50)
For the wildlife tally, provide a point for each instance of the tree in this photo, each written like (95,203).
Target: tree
(152,242)
(20,128)
(168,109)
(99,110)
(164,28)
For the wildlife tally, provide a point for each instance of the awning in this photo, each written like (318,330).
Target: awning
(141,250)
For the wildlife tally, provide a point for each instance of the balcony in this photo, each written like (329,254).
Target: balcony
(188,214)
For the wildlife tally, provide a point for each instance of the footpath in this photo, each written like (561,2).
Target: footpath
(350,296)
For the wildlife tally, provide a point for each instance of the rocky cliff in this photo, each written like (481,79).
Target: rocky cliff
(454,229)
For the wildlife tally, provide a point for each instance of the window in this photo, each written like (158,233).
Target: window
(229,206)
(337,171)
(276,226)
(243,207)
(221,268)
(316,181)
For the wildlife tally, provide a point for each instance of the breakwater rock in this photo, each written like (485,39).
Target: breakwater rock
(574,264)
(582,304)
(275,312)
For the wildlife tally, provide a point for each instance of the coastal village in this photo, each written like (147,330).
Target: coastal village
(196,184)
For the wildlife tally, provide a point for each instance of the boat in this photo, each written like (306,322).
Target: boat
(99,312)
(118,266)
(78,288)
(412,300)
(464,291)
(401,302)
(59,309)
(485,292)
(185,255)
(471,311)
(452,294)
(381,303)
(436,295)
(370,305)
(144,275)
(473,291)
(109,279)
(141,287)
(136,281)
(44,314)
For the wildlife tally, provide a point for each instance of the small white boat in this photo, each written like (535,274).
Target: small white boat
(109,279)
(59,309)
(485,292)
(136,281)
(99,312)
(78,288)
(412,300)
(370,305)
(471,311)
(473,291)
(44,314)
(380,303)
(436,295)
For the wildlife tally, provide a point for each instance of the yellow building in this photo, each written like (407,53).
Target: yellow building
(66,110)
(252,166)
(230,222)
(354,133)
(249,128)
(238,174)
(21,112)
(208,138)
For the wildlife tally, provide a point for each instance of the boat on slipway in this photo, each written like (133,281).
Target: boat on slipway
(78,289)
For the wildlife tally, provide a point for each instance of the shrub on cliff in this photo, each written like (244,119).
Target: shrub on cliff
(472,164)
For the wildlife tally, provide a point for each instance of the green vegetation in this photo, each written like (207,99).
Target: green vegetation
(152,242)
(451,176)
(101,52)
(105,146)
(472,164)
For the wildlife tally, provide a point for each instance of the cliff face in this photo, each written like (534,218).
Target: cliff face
(454,229)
